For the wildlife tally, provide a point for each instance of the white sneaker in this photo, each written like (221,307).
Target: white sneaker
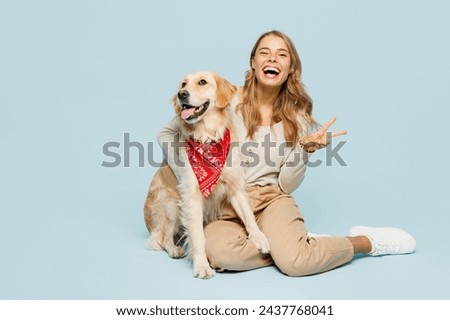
(386,240)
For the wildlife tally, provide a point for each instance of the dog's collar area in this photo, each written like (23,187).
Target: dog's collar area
(208,160)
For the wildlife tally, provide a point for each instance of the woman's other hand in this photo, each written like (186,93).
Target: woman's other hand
(321,138)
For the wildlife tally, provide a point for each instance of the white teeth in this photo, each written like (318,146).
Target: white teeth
(271,70)
(198,109)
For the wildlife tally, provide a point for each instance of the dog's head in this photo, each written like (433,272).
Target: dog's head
(201,93)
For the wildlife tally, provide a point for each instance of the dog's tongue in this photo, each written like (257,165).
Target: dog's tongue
(186,113)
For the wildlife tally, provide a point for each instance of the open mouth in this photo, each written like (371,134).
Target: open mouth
(189,112)
(271,71)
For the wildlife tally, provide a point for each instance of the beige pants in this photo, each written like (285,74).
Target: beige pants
(279,218)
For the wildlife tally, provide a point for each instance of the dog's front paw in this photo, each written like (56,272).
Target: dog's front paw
(261,242)
(153,243)
(175,252)
(203,271)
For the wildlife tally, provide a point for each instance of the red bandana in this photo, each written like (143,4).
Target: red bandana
(207,161)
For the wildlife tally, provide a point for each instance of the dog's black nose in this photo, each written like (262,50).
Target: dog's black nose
(183,94)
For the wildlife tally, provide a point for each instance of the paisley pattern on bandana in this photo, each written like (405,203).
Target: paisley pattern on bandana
(207,161)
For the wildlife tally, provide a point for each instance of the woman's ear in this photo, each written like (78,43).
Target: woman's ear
(225,92)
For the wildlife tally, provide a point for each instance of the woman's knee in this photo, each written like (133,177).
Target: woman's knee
(232,250)
(314,259)
(294,268)
(306,259)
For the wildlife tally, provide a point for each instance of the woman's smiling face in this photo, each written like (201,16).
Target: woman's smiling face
(272,61)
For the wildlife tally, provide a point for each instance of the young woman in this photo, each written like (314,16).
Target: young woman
(273,118)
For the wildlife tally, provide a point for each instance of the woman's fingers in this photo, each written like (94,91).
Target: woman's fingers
(327,125)
(327,139)
(338,133)
(322,138)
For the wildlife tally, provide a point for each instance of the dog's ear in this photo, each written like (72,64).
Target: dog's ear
(225,91)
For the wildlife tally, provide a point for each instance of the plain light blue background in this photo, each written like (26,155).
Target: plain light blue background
(77,74)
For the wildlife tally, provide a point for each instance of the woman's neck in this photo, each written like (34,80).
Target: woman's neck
(267,95)
(266,99)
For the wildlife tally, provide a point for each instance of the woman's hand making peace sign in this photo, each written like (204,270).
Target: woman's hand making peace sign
(320,139)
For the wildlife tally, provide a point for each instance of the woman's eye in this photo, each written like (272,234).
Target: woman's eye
(202,82)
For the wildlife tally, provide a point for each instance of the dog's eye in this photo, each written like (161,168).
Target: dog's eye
(183,85)
(202,82)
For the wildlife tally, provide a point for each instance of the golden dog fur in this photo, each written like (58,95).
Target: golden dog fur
(175,207)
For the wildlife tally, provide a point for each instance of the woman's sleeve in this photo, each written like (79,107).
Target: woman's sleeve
(292,172)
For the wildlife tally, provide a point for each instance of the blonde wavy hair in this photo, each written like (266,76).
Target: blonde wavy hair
(292,106)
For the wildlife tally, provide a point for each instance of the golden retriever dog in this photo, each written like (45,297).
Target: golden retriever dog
(179,205)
